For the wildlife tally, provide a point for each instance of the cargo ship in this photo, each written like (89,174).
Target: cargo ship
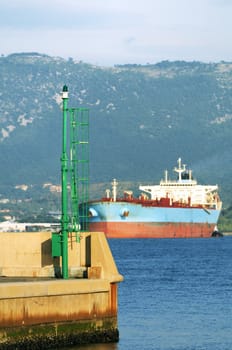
(173,209)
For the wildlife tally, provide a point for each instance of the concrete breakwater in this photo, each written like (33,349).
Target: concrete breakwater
(40,311)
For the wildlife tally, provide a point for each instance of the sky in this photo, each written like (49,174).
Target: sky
(109,32)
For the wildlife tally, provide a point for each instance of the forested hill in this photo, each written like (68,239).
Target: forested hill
(142,119)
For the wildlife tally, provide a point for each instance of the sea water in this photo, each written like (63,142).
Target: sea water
(176,294)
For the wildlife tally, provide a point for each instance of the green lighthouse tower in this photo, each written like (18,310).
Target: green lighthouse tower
(74,177)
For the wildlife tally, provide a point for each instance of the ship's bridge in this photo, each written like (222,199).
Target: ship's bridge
(184,189)
(182,192)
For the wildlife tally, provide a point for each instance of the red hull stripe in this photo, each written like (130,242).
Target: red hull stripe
(152,230)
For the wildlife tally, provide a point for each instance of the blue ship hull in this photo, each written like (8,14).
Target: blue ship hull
(129,219)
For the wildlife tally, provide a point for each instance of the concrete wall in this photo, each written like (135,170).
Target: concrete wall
(27,303)
(54,312)
(29,254)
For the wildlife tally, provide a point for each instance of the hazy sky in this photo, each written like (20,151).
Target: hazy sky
(108,32)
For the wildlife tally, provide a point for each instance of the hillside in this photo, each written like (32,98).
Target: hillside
(142,119)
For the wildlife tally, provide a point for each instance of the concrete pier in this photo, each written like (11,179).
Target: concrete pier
(39,310)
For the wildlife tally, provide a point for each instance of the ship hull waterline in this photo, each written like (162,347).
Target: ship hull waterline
(153,229)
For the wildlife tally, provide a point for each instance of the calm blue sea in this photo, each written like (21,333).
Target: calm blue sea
(176,294)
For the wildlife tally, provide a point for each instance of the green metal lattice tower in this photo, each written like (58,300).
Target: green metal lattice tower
(74,174)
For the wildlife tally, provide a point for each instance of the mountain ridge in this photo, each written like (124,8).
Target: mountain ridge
(142,119)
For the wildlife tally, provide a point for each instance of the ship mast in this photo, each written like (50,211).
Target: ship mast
(114,189)
(180,169)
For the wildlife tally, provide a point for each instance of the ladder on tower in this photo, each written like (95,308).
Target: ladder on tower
(79,168)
